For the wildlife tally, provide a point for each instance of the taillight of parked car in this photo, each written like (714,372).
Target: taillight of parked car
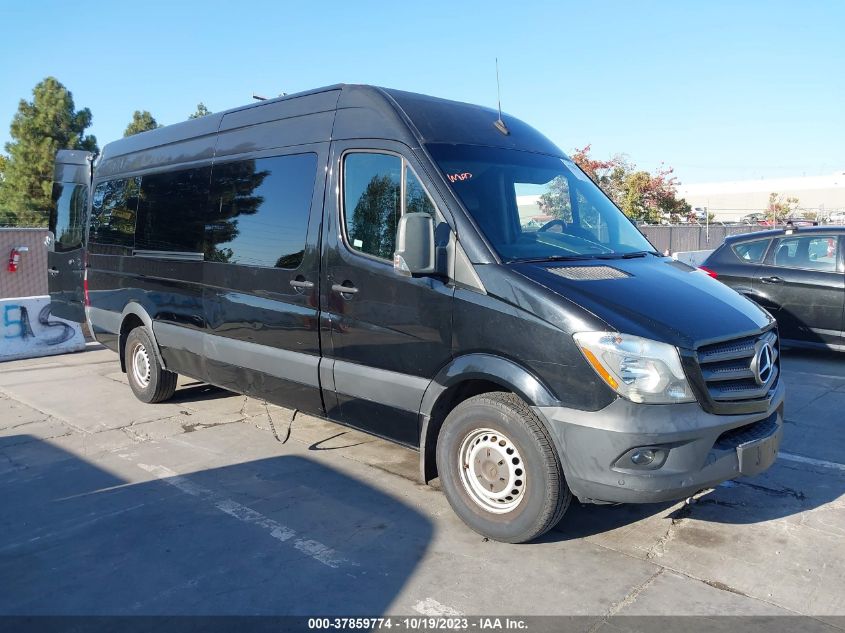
(712,273)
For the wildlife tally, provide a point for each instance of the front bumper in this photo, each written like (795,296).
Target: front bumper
(701,449)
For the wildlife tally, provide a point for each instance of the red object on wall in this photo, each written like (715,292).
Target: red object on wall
(14,260)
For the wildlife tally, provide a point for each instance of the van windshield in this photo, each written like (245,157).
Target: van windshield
(536,207)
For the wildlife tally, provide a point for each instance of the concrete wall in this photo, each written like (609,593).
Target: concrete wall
(27,330)
(692,258)
(731,200)
(31,278)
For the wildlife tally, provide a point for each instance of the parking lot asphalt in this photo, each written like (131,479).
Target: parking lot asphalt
(216,503)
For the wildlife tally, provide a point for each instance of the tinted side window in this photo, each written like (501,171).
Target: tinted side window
(71,200)
(113,215)
(821,252)
(260,210)
(807,252)
(172,210)
(751,252)
(372,186)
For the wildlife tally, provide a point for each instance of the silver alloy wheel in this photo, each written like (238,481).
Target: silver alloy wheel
(492,471)
(141,368)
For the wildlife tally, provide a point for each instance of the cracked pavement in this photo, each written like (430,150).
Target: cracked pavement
(216,503)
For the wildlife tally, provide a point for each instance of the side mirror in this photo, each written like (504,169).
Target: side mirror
(414,245)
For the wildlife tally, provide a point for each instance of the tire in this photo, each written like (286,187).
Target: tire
(493,438)
(149,381)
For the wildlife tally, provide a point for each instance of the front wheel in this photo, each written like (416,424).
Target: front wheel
(149,381)
(500,470)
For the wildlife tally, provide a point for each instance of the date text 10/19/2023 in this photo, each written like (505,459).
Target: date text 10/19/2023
(419,623)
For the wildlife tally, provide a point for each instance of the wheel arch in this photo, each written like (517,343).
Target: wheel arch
(462,378)
(134,315)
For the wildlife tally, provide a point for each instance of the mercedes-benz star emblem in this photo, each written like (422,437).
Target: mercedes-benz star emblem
(765,364)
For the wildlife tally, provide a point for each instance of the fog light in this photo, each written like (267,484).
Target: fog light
(643,457)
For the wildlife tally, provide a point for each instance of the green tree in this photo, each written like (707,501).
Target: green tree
(555,200)
(780,207)
(39,129)
(200,111)
(234,195)
(376,216)
(640,194)
(142,121)
(610,174)
(6,217)
(636,197)
(651,197)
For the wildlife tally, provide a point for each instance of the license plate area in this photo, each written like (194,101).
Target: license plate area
(757,455)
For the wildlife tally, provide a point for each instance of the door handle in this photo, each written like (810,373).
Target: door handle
(344,290)
(771,280)
(52,271)
(298,283)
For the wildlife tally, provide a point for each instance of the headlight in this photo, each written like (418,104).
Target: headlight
(637,368)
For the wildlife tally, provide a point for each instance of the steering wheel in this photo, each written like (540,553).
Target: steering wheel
(551,223)
(575,232)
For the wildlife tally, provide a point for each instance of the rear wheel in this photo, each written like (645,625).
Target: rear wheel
(500,470)
(149,381)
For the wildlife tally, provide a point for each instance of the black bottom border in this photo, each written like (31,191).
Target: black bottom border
(419,623)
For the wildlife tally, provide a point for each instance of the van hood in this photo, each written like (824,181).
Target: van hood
(653,297)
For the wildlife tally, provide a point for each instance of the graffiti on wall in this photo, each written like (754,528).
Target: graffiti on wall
(27,329)
(18,325)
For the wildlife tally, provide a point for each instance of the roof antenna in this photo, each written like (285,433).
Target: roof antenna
(258,97)
(499,124)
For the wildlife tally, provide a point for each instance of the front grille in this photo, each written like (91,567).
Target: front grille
(728,371)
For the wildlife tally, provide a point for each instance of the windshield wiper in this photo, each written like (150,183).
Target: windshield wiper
(552,258)
(630,255)
(641,254)
(575,258)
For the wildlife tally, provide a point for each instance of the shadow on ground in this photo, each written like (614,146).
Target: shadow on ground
(284,535)
(199,392)
(787,489)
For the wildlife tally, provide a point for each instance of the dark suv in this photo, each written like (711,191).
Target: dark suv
(796,274)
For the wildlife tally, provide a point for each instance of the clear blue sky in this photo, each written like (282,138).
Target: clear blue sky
(718,89)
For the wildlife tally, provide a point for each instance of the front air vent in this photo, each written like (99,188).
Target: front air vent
(589,273)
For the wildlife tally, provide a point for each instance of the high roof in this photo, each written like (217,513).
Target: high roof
(362,112)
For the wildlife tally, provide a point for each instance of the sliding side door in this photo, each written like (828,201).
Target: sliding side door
(261,275)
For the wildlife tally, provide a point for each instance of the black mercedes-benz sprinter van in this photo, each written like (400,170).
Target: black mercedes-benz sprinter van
(420,269)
